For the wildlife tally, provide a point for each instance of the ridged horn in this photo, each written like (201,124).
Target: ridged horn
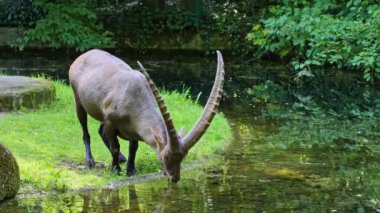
(174,143)
(209,110)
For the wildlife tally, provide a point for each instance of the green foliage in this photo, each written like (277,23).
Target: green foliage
(48,145)
(19,13)
(232,19)
(132,23)
(135,25)
(67,24)
(323,33)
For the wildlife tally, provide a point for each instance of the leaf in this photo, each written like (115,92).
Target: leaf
(367,76)
(305,72)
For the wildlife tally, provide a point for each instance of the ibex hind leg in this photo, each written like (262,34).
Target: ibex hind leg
(110,135)
(122,158)
(133,146)
(82,117)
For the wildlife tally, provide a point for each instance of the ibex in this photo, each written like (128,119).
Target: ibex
(125,102)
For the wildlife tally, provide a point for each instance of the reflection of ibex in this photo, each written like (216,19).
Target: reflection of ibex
(171,195)
(118,96)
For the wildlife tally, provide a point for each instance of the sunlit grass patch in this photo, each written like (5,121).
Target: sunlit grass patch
(48,143)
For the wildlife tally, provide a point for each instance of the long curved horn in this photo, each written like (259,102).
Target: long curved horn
(174,143)
(210,109)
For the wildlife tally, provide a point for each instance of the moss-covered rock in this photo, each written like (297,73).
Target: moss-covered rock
(9,174)
(20,91)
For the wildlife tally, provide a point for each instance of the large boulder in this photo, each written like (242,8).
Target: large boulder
(20,91)
(9,174)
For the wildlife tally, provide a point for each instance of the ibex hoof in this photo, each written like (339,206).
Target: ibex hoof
(122,158)
(131,172)
(90,163)
(116,169)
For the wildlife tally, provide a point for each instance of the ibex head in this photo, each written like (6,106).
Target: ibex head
(177,145)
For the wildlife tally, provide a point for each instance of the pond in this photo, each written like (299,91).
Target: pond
(268,166)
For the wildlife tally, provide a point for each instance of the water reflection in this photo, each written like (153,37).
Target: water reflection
(249,177)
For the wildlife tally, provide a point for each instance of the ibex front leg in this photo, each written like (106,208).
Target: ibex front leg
(110,134)
(133,146)
(82,117)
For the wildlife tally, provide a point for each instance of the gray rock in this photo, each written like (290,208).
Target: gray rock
(9,174)
(20,91)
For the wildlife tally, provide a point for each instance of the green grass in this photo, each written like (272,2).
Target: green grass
(48,143)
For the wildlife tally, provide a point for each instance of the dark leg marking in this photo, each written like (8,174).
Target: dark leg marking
(82,116)
(133,146)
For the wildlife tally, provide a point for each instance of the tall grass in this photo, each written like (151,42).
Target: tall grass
(48,143)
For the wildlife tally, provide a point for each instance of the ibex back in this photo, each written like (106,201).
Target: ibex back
(124,101)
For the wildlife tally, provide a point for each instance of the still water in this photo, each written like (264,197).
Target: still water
(251,175)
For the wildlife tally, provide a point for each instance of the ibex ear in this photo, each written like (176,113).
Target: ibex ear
(158,139)
(181,132)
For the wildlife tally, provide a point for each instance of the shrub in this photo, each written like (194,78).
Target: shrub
(67,24)
(323,33)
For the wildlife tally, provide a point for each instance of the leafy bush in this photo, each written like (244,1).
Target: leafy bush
(323,33)
(233,19)
(19,13)
(135,25)
(73,23)
(67,24)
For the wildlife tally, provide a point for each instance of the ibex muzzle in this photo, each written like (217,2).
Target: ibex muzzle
(124,101)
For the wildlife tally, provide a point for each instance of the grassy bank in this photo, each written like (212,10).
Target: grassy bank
(48,144)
